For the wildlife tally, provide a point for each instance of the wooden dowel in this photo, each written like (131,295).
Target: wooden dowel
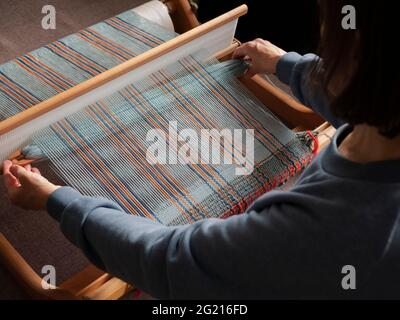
(111,290)
(226,53)
(290,111)
(89,279)
(113,73)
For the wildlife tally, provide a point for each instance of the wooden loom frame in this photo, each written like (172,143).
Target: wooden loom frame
(92,283)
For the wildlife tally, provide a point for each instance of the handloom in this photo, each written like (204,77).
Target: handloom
(101,150)
(100,147)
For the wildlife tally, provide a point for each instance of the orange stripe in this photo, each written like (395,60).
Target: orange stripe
(122,149)
(48,69)
(167,81)
(273,147)
(27,104)
(73,57)
(38,77)
(96,165)
(96,42)
(200,172)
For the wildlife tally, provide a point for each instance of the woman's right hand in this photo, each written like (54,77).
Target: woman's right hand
(262,55)
(26,187)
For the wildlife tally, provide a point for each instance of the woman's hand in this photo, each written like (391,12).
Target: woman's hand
(262,54)
(26,187)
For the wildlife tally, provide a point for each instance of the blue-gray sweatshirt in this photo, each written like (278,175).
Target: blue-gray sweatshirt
(289,244)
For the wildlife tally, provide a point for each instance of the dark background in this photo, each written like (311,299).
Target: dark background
(291,25)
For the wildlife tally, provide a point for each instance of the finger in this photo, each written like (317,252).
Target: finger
(20,173)
(6,166)
(251,72)
(28,167)
(241,52)
(36,170)
(261,41)
(9,179)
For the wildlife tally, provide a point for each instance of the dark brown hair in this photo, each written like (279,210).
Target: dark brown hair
(364,61)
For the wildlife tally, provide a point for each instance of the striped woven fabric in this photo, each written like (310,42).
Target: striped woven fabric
(102,149)
(58,66)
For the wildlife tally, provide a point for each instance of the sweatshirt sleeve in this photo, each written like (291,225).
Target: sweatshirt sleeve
(292,69)
(214,258)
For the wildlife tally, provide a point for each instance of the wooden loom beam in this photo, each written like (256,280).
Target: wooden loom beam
(286,108)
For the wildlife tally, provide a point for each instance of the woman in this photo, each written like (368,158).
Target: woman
(343,210)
